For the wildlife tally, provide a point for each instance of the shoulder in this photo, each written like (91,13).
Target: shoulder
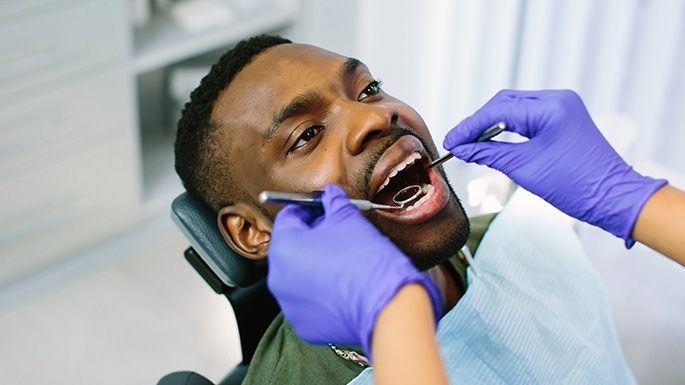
(283,358)
(479,226)
(458,263)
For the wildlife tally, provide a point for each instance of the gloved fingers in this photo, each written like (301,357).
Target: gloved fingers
(294,216)
(500,156)
(524,112)
(336,202)
(529,112)
(469,129)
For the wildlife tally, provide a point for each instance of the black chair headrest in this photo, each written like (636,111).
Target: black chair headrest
(199,224)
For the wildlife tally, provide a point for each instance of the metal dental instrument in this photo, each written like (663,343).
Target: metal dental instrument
(314,199)
(415,191)
(490,133)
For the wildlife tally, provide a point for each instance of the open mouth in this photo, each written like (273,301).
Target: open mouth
(409,172)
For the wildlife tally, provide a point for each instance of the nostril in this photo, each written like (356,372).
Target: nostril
(394,119)
(371,135)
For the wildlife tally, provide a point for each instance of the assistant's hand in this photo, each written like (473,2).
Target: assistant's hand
(566,160)
(333,274)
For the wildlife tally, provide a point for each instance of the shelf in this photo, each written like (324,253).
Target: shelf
(163,41)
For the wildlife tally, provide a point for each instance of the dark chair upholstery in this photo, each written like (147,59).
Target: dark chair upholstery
(242,281)
(184,378)
(199,224)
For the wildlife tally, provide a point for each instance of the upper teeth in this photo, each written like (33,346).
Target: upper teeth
(407,162)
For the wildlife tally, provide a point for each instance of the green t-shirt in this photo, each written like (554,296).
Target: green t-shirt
(283,358)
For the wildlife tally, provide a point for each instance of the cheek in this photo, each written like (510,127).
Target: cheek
(326,163)
(312,174)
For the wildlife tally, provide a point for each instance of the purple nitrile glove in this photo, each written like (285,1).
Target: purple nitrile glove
(566,160)
(333,274)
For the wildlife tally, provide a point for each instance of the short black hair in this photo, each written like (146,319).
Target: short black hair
(205,174)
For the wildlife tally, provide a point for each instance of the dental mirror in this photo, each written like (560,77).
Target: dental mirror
(407,195)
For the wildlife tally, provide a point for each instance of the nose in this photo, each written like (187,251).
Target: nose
(366,122)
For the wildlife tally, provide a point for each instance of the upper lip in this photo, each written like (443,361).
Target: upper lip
(393,156)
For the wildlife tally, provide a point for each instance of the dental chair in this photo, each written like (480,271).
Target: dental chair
(241,280)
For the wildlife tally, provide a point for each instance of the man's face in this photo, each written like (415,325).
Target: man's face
(303,117)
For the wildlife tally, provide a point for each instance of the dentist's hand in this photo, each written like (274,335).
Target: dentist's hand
(566,160)
(333,273)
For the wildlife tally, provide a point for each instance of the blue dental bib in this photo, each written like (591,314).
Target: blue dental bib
(535,313)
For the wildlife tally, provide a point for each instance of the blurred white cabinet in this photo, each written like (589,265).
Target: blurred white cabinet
(187,35)
(69,153)
(71,159)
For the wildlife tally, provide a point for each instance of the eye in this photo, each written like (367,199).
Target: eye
(307,135)
(372,89)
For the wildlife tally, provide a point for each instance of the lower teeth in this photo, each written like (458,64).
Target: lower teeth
(427,190)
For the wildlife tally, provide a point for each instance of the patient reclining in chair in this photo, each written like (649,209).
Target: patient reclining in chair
(273,115)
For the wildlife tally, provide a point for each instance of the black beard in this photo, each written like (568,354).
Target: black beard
(452,238)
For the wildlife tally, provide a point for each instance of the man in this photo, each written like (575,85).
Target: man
(273,115)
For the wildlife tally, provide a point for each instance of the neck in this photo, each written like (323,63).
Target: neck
(450,291)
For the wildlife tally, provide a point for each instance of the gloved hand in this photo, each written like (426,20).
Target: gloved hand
(333,274)
(566,160)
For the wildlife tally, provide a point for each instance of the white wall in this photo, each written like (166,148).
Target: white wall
(446,58)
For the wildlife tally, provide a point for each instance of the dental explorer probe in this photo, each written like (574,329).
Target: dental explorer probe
(490,133)
(314,199)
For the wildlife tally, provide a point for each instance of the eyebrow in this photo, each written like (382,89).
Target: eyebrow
(307,100)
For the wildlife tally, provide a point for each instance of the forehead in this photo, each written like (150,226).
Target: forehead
(274,76)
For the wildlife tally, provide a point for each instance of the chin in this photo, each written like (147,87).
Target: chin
(434,241)
(430,227)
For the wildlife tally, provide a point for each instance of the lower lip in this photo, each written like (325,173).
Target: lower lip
(427,209)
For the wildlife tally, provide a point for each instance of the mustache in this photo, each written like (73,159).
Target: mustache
(394,134)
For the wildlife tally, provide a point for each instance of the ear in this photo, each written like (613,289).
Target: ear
(245,229)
